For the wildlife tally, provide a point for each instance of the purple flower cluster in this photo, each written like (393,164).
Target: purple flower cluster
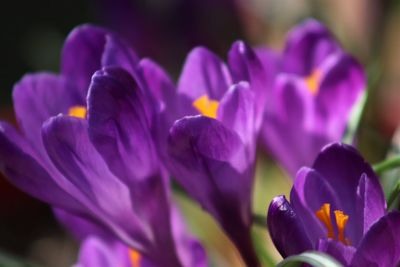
(101,140)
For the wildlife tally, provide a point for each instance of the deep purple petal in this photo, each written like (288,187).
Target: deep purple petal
(237,111)
(307,46)
(310,191)
(82,55)
(380,247)
(118,124)
(343,167)
(344,254)
(286,228)
(245,66)
(342,83)
(38,97)
(120,54)
(204,73)
(68,145)
(19,165)
(209,161)
(80,227)
(371,205)
(157,83)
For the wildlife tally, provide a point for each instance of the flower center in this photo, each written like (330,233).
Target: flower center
(313,81)
(134,258)
(77,111)
(206,106)
(341,219)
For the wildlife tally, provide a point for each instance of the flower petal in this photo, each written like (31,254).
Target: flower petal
(24,171)
(203,73)
(380,246)
(287,119)
(286,229)
(118,53)
(209,161)
(245,66)
(118,125)
(237,110)
(342,79)
(307,46)
(343,167)
(38,97)
(82,54)
(310,191)
(68,145)
(344,254)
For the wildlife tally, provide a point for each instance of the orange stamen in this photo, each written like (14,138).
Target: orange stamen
(134,257)
(313,81)
(324,215)
(77,111)
(341,221)
(206,106)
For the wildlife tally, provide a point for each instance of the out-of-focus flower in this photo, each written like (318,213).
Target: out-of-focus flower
(98,162)
(309,104)
(337,207)
(212,152)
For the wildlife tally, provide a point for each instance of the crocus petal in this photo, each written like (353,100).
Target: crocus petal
(25,172)
(344,254)
(236,110)
(80,227)
(68,145)
(310,191)
(290,117)
(118,124)
(203,74)
(38,97)
(380,247)
(342,83)
(82,54)
(204,155)
(342,167)
(245,66)
(371,204)
(163,92)
(307,46)
(118,53)
(286,229)
(208,160)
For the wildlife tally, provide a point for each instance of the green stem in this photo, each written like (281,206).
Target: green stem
(387,165)
(393,195)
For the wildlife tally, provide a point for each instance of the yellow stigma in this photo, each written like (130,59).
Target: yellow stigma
(77,111)
(206,106)
(313,81)
(341,219)
(324,215)
(134,258)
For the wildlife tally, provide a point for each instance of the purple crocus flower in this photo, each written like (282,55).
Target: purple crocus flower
(212,151)
(100,162)
(337,207)
(309,104)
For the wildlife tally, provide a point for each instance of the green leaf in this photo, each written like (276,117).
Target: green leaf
(314,258)
(355,118)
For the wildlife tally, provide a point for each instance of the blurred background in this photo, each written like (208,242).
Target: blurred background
(165,30)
